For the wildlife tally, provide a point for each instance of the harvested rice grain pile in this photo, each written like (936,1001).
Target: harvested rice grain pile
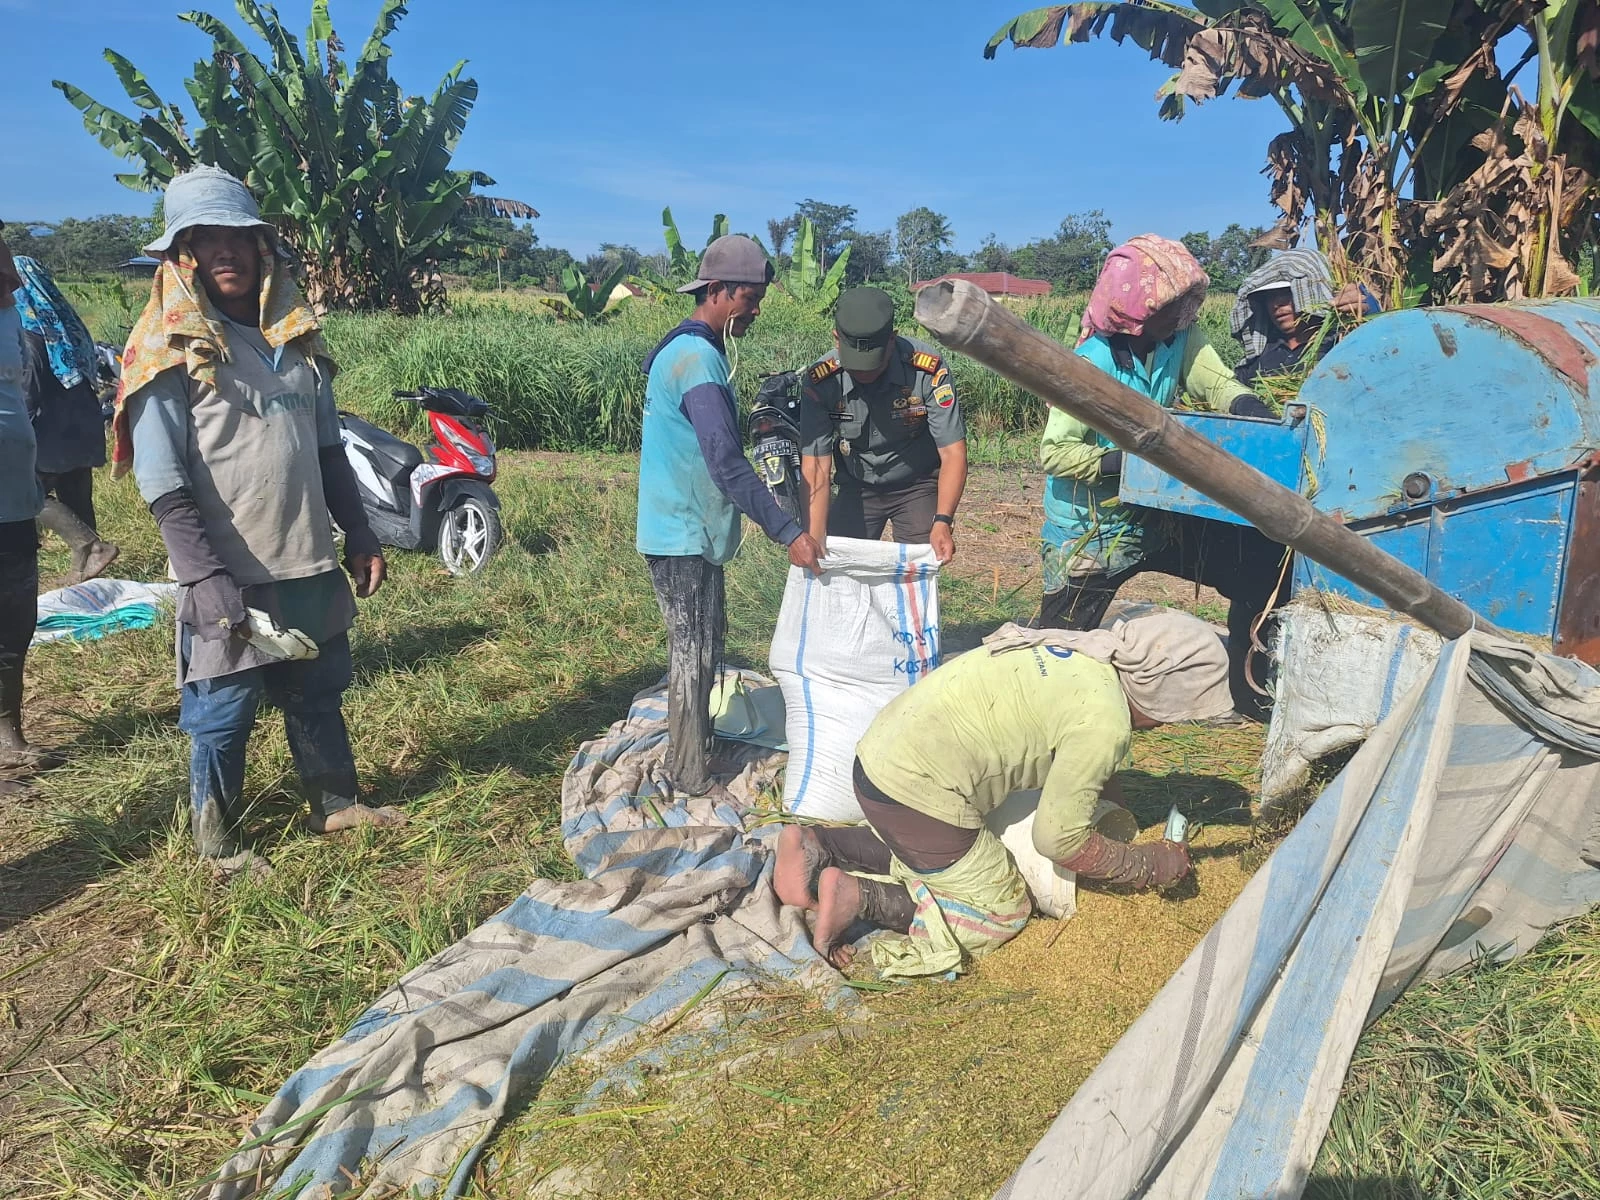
(949,1085)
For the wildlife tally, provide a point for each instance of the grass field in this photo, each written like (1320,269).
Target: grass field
(146,1013)
(571,386)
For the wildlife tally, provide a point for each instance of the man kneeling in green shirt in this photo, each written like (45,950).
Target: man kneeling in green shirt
(1046,709)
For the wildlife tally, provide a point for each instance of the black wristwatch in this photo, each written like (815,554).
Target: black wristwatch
(946,518)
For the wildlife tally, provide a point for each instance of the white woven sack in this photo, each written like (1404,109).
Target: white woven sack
(1339,676)
(849,639)
(1054,889)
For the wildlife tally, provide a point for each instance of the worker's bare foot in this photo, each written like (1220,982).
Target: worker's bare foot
(838,904)
(245,864)
(89,561)
(798,852)
(357,814)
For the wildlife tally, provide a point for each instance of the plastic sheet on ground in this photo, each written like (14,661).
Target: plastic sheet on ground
(101,606)
(1451,836)
(677,898)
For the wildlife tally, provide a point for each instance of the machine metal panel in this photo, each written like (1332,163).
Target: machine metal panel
(1501,552)
(1275,448)
(1466,398)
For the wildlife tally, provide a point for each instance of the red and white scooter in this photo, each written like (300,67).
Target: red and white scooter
(439,501)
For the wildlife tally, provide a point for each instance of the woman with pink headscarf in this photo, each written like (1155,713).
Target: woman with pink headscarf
(1139,328)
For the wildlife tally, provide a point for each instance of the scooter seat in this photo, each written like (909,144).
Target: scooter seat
(395,457)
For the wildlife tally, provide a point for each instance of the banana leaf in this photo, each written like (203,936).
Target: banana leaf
(1394,40)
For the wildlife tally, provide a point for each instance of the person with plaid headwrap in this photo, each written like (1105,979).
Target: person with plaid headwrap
(1281,308)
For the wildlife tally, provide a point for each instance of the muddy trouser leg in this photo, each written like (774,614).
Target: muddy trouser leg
(310,693)
(75,489)
(689,591)
(218,715)
(1244,565)
(911,509)
(856,512)
(922,842)
(1083,602)
(19,610)
(67,525)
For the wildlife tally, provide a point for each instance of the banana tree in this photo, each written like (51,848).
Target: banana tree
(683,264)
(585,301)
(355,174)
(805,279)
(1390,105)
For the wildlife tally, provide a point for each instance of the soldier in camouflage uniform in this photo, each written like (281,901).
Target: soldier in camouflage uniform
(880,418)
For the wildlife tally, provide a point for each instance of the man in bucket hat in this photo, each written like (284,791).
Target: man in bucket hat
(881,419)
(694,481)
(227,418)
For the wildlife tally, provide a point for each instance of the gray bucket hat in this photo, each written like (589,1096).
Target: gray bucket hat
(732,258)
(206,196)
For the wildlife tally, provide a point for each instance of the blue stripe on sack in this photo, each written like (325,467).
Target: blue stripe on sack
(927,584)
(1254,1155)
(1396,656)
(805,692)
(908,637)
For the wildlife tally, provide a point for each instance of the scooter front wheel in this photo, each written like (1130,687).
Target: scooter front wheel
(469,534)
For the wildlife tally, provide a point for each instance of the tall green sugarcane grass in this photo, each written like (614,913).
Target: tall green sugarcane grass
(569,385)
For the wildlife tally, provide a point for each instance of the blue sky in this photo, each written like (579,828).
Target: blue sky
(598,114)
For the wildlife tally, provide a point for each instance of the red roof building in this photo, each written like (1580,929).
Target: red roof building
(996,283)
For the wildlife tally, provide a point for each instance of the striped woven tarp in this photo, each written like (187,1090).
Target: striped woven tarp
(1451,836)
(677,897)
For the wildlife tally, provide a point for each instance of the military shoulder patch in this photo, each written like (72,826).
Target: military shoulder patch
(924,361)
(825,368)
(944,395)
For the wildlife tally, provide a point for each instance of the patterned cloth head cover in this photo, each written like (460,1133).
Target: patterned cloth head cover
(180,327)
(1172,666)
(1146,274)
(45,312)
(1307,275)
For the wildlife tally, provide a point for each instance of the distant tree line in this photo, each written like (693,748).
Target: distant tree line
(81,247)
(499,251)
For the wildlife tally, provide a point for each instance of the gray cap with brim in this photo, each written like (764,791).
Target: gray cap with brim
(732,258)
(206,196)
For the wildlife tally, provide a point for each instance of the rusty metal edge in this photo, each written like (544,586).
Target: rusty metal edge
(1578,618)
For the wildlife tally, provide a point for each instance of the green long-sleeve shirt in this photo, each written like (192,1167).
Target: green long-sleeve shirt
(982,726)
(1081,508)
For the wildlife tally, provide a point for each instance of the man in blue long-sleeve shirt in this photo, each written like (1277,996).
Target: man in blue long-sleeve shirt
(694,481)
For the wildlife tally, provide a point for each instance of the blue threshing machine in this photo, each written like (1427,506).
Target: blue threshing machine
(1463,441)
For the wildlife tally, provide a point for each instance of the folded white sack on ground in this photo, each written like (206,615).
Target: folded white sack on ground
(1339,676)
(849,639)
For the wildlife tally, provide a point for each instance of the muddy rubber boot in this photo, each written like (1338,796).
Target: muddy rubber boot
(17,754)
(90,555)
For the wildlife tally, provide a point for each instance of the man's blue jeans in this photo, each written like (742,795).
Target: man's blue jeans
(218,715)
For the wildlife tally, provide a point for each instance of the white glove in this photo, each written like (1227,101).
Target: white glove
(267,636)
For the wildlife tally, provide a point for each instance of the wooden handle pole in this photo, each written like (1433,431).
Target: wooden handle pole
(962,316)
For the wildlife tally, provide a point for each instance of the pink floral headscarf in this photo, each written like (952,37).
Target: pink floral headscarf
(1141,277)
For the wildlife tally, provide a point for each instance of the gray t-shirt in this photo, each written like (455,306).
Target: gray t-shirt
(247,449)
(248,452)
